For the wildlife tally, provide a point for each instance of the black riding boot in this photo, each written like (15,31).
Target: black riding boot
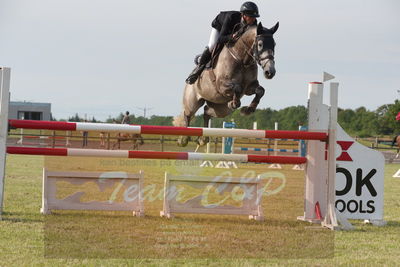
(204,58)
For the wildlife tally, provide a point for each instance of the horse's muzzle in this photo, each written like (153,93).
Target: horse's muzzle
(269,74)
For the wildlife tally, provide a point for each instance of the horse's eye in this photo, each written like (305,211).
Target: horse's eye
(260,45)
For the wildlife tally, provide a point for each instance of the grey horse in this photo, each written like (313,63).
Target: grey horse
(233,76)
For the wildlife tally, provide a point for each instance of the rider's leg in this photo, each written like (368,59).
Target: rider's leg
(214,36)
(204,58)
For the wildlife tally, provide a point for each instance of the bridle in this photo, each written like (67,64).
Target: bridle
(252,53)
(269,57)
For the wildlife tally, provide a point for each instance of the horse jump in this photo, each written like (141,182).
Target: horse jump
(314,173)
(321,159)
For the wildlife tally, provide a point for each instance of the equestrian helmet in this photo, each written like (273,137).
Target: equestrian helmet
(249,9)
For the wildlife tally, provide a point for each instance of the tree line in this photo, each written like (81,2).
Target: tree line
(359,122)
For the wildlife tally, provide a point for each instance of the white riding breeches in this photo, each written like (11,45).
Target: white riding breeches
(213,39)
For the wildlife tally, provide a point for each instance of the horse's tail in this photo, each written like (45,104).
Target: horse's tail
(179,121)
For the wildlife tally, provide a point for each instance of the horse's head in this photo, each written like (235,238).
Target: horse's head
(264,49)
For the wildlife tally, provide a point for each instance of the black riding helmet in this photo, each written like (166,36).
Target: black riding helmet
(249,9)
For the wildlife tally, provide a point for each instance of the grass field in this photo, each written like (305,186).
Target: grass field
(89,238)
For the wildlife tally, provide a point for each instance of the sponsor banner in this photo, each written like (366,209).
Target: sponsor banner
(359,179)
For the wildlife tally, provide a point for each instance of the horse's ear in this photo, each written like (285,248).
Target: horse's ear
(275,28)
(260,28)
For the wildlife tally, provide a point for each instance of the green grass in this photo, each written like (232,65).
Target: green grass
(89,238)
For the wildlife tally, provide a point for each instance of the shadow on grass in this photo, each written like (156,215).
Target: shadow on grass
(22,217)
(393,223)
(243,220)
(117,235)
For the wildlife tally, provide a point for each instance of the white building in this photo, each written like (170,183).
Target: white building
(29,111)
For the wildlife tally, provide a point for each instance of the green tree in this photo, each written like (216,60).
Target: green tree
(291,117)
(75,118)
(386,114)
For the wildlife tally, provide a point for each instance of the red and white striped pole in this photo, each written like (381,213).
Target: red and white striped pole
(153,155)
(166,130)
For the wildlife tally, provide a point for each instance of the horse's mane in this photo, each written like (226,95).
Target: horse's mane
(247,37)
(250,32)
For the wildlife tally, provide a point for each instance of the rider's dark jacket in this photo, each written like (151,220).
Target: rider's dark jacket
(227,22)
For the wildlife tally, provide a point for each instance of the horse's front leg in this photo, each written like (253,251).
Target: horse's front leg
(259,93)
(237,94)
(203,140)
(184,140)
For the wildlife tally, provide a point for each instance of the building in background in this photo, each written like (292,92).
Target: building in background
(29,111)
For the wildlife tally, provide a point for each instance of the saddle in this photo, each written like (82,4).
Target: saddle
(217,50)
(211,64)
(214,57)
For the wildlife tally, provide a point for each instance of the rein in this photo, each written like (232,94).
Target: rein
(248,49)
(253,55)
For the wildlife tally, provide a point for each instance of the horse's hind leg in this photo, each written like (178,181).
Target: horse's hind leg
(191,104)
(259,93)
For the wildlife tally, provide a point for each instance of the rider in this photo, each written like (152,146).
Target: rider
(126,119)
(223,27)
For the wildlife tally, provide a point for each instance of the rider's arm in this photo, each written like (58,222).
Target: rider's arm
(226,31)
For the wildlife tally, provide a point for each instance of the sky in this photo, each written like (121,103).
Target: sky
(99,58)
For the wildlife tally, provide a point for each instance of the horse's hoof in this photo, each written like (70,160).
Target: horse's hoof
(233,105)
(202,141)
(247,110)
(183,141)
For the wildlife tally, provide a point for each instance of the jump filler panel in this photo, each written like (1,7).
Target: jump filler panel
(212,195)
(116,191)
